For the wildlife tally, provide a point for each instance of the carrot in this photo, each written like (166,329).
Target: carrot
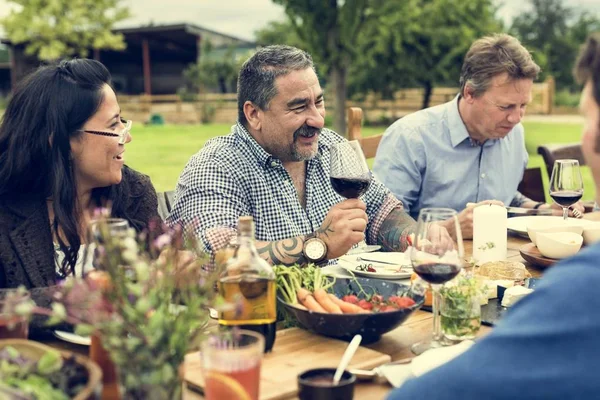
(325,302)
(347,308)
(308,301)
(299,306)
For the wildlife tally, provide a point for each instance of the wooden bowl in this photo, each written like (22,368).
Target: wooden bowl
(35,350)
(532,255)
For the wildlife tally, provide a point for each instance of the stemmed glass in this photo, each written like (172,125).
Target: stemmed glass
(566,185)
(98,231)
(436,260)
(350,177)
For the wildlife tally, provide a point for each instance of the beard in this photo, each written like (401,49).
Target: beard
(307,132)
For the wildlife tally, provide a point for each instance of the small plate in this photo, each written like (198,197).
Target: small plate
(73,338)
(532,255)
(381,261)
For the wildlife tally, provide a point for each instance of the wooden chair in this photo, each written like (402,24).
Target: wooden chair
(531,186)
(165,202)
(368,144)
(553,152)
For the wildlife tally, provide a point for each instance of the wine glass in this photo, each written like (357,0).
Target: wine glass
(98,230)
(566,185)
(437,260)
(350,177)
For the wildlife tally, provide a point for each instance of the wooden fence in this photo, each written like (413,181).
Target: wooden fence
(222,108)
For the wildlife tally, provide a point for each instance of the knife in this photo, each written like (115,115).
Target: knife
(529,211)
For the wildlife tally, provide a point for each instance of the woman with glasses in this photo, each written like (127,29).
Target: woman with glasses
(62,155)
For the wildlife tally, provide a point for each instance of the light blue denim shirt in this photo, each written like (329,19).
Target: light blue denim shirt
(427,159)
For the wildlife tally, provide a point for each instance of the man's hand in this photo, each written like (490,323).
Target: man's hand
(343,227)
(440,239)
(465,218)
(558,210)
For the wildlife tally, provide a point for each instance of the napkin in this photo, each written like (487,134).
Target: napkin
(397,374)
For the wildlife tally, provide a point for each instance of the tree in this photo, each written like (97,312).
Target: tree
(556,31)
(328,29)
(52,29)
(419,42)
(278,32)
(217,70)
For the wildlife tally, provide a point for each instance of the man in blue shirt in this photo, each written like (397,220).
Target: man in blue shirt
(471,149)
(547,345)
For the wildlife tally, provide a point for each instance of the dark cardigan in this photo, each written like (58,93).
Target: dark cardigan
(26,247)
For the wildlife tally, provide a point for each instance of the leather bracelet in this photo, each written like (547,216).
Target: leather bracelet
(538,205)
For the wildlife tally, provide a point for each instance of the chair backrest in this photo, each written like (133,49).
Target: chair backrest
(553,152)
(368,144)
(165,202)
(532,184)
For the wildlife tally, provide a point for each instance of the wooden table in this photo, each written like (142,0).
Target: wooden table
(396,343)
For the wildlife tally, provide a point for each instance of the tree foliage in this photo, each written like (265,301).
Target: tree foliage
(216,71)
(419,43)
(555,31)
(52,29)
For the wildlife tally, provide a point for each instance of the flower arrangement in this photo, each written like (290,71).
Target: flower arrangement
(147,300)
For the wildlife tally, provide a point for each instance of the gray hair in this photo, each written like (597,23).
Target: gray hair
(494,55)
(256,81)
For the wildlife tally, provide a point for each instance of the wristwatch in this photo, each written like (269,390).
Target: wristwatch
(314,249)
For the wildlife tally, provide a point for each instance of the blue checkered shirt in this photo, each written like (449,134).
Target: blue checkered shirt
(233,176)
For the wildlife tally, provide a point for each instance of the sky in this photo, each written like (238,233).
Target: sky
(241,18)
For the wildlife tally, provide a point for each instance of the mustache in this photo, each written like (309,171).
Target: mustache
(306,130)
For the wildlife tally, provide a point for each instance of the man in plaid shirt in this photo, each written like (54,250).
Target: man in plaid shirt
(274,166)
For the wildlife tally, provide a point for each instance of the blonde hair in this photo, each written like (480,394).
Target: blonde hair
(494,55)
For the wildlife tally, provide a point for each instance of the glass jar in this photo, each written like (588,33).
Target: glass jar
(460,309)
(12,324)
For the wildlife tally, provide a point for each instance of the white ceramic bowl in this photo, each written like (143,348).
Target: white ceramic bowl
(533,228)
(591,234)
(558,245)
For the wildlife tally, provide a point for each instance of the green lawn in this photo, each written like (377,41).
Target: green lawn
(163,151)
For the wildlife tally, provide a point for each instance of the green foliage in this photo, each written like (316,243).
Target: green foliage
(278,32)
(554,32)
(419,42)
(212,73)
(52,29)
(566,98)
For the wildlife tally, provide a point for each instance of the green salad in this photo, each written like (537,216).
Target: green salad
(52,377)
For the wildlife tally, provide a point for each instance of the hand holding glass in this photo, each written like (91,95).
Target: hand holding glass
(350,177)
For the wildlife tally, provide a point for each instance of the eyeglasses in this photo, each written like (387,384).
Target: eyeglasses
(121,134)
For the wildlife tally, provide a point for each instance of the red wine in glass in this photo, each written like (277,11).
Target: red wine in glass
(350,188)
(437,273)
(566,198)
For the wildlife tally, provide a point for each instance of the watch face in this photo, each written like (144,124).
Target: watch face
(314,249)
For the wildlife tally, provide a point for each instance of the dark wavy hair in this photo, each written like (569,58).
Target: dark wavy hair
(46,110)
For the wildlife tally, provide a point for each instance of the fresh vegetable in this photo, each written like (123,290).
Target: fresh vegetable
(292,278)
(308,301)
(345,306)
(325,302)
(49,378)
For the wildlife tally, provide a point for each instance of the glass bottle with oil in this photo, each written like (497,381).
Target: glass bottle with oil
(247,283)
